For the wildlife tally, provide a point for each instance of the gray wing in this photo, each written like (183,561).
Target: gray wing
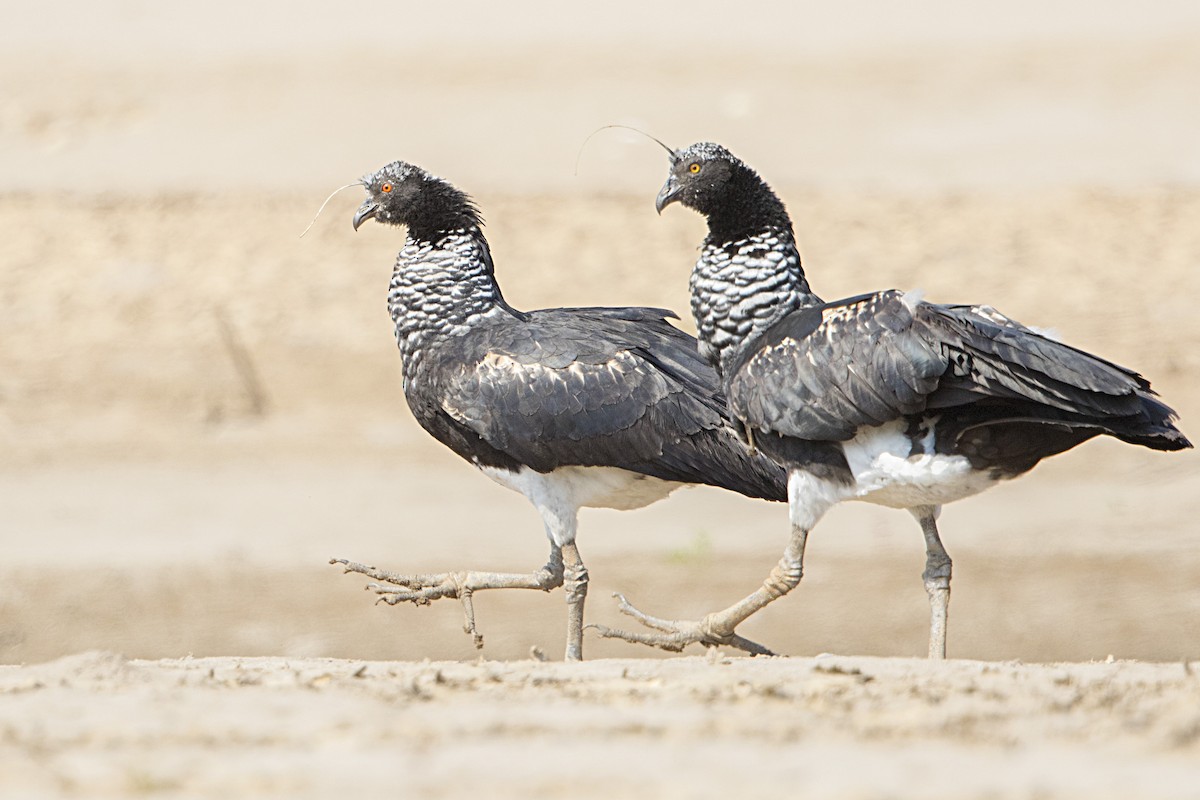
(602,387)
(822,373)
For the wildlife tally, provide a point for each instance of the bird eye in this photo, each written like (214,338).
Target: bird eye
(386,188)
(694,168)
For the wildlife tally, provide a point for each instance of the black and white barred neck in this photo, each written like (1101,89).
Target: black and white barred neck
(441,289)
(740,288)
(442,283)
(749,274)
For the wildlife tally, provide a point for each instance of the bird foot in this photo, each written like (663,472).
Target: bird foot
(421,590)
(674,635)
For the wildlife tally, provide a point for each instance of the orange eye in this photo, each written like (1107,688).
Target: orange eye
(386,188)
(694,168)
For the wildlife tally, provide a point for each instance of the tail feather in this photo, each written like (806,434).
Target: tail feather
(1075,387)
(1154,427)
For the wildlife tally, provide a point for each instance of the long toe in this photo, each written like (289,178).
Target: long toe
(675,635)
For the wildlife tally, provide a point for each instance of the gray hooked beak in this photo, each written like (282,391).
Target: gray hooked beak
(365,212)
(668,194)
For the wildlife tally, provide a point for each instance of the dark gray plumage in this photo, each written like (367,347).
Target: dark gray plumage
(993,390)
(882,397)
(573,407)
(615,387)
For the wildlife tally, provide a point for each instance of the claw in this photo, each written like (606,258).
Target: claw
(352,566)
(674,635)
(468,605)
(648,639)
(627,608)
(422,590)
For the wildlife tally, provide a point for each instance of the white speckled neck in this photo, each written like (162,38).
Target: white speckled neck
(739,289)
(441,289)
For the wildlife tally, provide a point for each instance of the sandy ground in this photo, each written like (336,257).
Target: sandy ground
(198,408)
(830,726)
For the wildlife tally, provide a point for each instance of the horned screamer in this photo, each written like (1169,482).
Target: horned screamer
(572,407)
(882,397)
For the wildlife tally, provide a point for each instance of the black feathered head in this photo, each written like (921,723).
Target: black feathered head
(404,194)
(699,174)
(713,181)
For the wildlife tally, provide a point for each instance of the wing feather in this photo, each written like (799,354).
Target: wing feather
(600,387)
(824,372)
(821,373)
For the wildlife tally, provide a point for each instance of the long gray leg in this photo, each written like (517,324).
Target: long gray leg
(424,589)
(937,578)
(718,628)
(809,498)
(575,585)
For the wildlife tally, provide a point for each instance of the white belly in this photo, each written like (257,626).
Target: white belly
(558,495)
(885,473)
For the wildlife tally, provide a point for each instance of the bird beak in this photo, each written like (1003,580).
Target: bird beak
(365,212)
(668,194)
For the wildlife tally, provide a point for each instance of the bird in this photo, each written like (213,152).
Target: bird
(571,407)
(883,397)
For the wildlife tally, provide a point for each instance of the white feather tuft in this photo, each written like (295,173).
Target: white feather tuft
(1049,333)
(912,298)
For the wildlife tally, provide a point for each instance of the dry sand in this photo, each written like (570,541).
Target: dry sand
(198,409)
(97,725)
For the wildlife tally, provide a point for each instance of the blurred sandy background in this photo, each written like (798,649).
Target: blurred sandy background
(198,408)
